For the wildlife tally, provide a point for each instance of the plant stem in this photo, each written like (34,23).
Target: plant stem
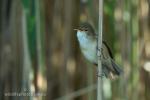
(99,79)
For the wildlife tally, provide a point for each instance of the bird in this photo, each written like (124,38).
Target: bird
(87,39)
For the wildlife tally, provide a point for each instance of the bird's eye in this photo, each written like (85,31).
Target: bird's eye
(85,30)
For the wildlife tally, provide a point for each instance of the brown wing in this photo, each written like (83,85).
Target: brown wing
(109,50)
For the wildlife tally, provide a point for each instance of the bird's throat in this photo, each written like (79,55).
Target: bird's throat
(88,46)
(84,39)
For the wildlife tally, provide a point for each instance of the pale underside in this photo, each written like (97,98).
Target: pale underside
(88,46)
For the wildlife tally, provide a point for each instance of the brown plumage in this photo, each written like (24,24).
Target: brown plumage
(88,43)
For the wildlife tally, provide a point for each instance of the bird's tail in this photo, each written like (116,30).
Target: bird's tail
(118,71)
(112,72)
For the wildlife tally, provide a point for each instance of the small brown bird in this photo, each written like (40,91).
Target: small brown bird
(88,44)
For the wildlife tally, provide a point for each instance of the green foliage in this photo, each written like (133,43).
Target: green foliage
(29,6)
(26,4)
(31,35)
(109,7)
(109,27)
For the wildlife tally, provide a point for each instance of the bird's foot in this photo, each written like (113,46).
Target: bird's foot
(100,75)
(99,52)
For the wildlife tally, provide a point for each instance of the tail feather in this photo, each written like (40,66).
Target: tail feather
(111,71)
(108,73)
(118,70)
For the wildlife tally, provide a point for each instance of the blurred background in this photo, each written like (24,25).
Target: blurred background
(40,57)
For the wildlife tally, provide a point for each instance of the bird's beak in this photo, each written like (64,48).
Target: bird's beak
(76,29)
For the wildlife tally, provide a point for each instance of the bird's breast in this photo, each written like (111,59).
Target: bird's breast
(88,47)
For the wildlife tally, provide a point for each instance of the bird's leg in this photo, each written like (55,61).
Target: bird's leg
(99,52)
(100,74)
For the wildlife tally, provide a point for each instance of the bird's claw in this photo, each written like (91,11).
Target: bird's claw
(100,75)
(99,52)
